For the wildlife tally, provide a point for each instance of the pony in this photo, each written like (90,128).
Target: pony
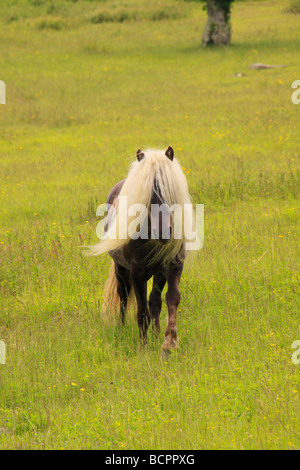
(150,248)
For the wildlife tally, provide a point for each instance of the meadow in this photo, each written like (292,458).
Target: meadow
(87,84)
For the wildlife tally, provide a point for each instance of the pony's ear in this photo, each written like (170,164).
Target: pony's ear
(170,153)
(139,155)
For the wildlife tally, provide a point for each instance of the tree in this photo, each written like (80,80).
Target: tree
(218,29)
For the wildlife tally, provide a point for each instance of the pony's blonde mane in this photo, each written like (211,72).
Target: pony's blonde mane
(138,188)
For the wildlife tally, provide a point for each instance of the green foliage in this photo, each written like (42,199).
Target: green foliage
(224,4)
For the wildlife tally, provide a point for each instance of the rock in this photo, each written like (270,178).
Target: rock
(264,66)
(239,74)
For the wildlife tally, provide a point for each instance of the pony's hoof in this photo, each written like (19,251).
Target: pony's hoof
(143,343)
(171,340)
(169,345)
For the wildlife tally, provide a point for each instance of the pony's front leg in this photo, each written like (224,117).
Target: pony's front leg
(155,301)
(172,299)
(140,289)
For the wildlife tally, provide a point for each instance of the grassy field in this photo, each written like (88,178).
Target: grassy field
(87,84)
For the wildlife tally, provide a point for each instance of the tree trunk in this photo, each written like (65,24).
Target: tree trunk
(217,30)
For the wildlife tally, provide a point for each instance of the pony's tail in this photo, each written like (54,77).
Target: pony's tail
(111,299)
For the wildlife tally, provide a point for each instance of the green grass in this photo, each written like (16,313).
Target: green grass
(82,97)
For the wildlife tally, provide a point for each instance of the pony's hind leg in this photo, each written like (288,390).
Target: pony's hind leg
(124,287)
(143,315)
(155,301)
(172,299)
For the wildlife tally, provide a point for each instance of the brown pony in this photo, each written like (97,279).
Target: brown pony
(151,248)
